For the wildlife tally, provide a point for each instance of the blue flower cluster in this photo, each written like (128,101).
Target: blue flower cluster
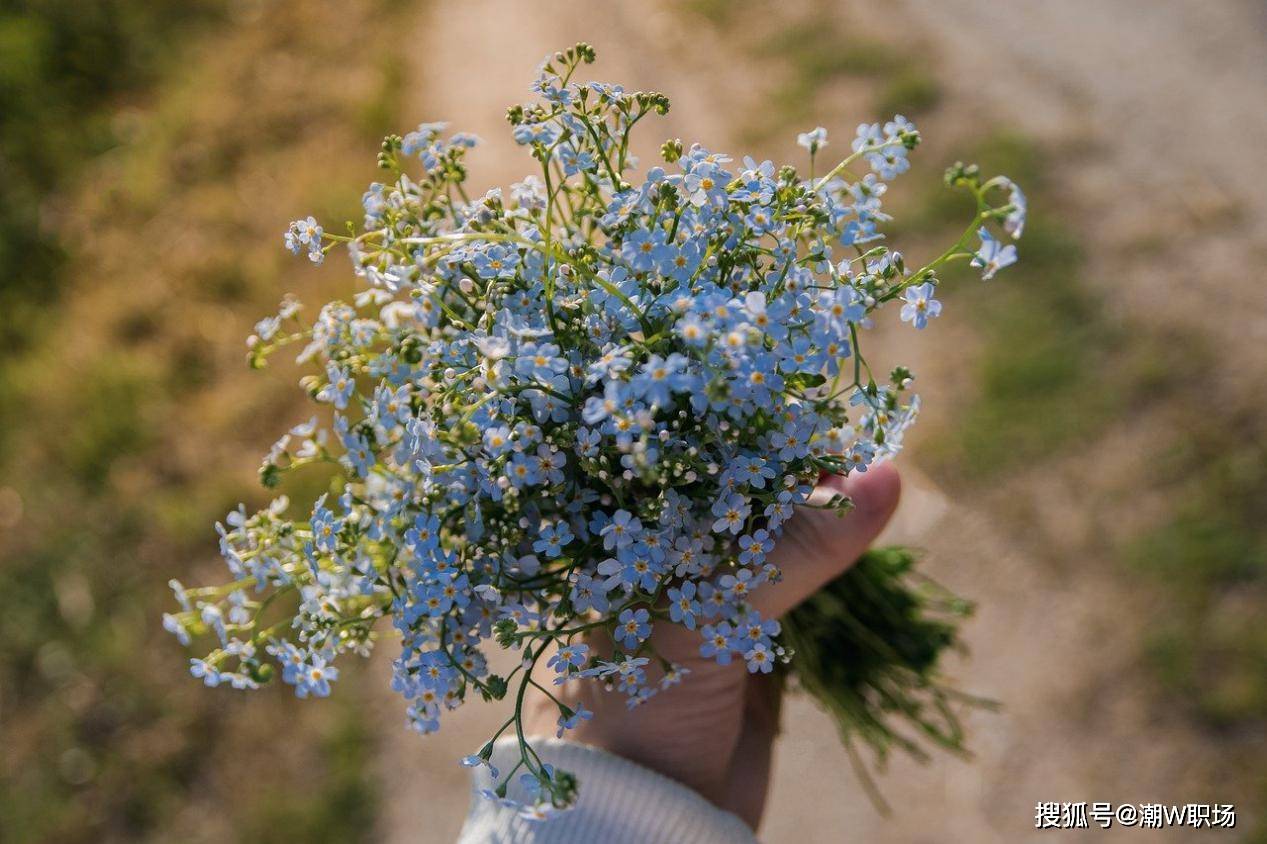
(585,406)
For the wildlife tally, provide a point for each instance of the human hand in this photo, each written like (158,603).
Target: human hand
(715,732)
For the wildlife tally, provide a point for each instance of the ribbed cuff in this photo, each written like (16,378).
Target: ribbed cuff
(620,802)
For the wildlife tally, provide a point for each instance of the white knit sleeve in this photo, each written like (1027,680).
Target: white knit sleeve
(620,802)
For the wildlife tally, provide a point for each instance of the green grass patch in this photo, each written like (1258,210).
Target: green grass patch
(380,113)
(912,91)
(1054,365)
(815,52)
(109,420)
(718,13)
(817,48)
(343,806)
(1211,555)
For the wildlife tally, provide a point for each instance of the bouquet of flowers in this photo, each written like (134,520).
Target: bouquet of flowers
(585,407)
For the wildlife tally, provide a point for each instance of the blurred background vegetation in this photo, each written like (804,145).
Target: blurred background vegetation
(126,149)
(150,153)
(65,68)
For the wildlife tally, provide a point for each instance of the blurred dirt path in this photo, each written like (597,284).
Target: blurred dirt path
(1169,94)
(1140,81)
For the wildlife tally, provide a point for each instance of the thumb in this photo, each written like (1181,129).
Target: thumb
(818,545)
